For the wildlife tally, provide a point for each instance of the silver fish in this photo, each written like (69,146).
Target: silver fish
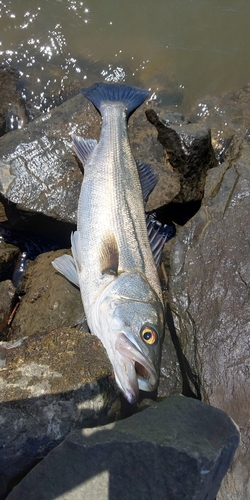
(112,259)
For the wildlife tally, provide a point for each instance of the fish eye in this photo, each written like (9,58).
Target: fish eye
(149,335)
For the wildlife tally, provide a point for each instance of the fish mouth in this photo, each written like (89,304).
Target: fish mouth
(144,376)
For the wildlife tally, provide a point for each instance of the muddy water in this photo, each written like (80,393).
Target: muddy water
(190,47)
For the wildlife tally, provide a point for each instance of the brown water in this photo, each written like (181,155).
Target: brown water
(193,48)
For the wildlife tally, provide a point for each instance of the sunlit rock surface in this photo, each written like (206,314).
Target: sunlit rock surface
(178,449)
(209,290)
(39,170)
(227,115)
(50,384)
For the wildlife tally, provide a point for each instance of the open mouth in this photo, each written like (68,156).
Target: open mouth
(141,371)
(144,371)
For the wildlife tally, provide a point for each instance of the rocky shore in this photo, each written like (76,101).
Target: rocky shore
(54,375)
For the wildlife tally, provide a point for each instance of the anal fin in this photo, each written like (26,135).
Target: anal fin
(66,266)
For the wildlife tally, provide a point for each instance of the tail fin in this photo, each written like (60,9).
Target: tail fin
(101,93)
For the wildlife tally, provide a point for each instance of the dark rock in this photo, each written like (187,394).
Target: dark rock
(8,257)
(7,296)
(48,299)
(178,449)
(50,384)
(209,289)
(13,113)
(190,153)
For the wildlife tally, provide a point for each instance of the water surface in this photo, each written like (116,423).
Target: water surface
(190,47)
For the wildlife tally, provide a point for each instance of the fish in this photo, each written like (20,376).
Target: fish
(116,249)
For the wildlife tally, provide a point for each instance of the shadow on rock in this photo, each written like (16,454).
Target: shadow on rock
(178,449)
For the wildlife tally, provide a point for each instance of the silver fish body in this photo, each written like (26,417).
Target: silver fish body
(116,271)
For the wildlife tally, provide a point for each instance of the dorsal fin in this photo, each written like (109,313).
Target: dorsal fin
(158,235)
(148,178)
(109,255)
(83,147)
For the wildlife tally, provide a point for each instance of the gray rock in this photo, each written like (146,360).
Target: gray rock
(48,300)
(190,153)
(178,449)
(38,169)
(7,294)
(50,384)
(209,288)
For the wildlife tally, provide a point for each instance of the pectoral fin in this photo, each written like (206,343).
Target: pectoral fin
(109,255)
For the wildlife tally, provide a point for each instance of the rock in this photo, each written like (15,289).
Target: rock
(209,292)
(38,170)
(8,257)
(50,383)
(190,153)
(227,115)
(13,113)
(3,216)
(178,449)
(170,382)
(7,296)
(48,300)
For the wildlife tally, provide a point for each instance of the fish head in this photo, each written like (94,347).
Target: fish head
(130,322)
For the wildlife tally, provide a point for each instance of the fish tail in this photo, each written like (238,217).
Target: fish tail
(101,93)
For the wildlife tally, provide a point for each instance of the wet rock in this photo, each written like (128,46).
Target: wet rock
(39,172)
(190,153)
(7,296)
(48,299)
(13,113)
(209,289)
(8,257)
(50,383)
(227,115)
(178,449)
